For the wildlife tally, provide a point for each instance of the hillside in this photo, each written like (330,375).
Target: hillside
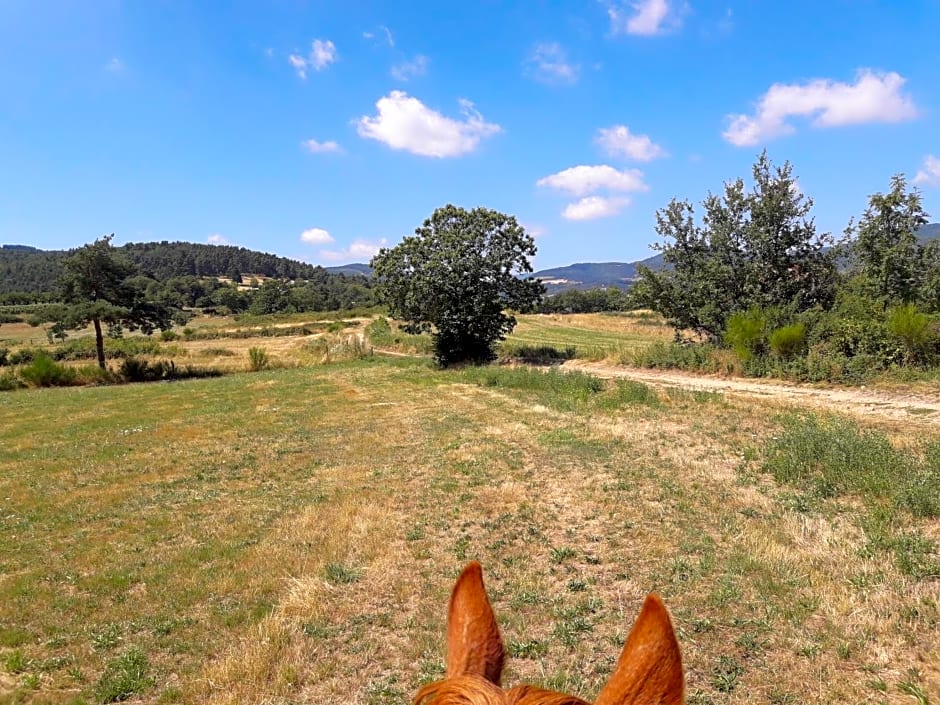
(26,269)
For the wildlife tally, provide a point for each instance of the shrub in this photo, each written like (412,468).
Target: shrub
(536,354)
(683,356)
(912,328)
(168,336)
(4,353)
(786,342)
(136,370)
(9,381)
(746,333)
(258,359)
(43,371)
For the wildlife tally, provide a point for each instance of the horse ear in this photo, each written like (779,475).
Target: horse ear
(474,646)
(649,671)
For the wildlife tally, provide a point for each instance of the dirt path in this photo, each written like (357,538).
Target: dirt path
(915,408)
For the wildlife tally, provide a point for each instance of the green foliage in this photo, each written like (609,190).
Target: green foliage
(746,332)
(43,371)
(460,273)
(886,249)
(681,356)
(124,677)
(830,456)
(136,370)
(588,301)
(787,341)
(536,354)
(380,333)
(258,359)
(914,330)
(754,249)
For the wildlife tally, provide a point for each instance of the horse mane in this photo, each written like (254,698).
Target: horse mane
(473,690)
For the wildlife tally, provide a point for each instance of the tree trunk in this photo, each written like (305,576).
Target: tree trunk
(99,343)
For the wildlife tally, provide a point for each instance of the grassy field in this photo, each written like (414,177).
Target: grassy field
(593,336)
(292,536)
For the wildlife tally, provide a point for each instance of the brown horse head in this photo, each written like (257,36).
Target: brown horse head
(649,671)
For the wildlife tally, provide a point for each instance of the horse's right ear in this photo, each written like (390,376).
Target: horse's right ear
(649,671)
(474,646)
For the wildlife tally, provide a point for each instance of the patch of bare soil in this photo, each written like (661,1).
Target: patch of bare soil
(916,408)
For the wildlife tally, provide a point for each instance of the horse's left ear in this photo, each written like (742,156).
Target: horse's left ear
(649,671)
(474,646)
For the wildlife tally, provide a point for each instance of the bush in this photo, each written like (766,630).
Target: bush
(136,370)
(9,381)
(4,353)
(536,354)
(168,336)
(258,359)
(684,356)
(913,329)
(746,333)
(43,371)
(786,342)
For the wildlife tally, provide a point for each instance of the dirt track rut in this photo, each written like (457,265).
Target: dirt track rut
(920,408)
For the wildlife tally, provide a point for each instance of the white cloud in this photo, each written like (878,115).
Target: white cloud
(645,17)
(406,70)
(873,97)
(386,37)
(216,239)
(930,173)
(593,207)
(406,123)
(582,180)
(322,54)
(619,141)
(316,236)
(358,250)
(315,147)
(533,229)
(115,66)
(549,63)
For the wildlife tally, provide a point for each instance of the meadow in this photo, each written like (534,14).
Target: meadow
(291,535)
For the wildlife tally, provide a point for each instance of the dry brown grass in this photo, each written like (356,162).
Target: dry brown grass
(292,536)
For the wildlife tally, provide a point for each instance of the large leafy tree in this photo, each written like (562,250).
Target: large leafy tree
(97,289)
(460,273)
(886,249)
(753,248)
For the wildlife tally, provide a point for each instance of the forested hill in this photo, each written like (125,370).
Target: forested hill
(25,269)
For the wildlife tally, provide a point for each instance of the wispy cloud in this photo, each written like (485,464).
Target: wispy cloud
(115,66)
(874,97)
(618,141)
(407,124)
(548,63)
(929,174)
(315,147)
(358,250)
(322,54)
(217,239)
(384,35)
(646,17)
(316,236)
(407,70)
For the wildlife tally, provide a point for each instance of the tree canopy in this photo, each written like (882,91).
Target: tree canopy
(886,250)
(97,288)
(756,248)
(460,273)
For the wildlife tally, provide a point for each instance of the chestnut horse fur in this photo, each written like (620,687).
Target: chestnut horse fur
(649,671)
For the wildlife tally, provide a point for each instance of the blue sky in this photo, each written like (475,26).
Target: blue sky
(323,130)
